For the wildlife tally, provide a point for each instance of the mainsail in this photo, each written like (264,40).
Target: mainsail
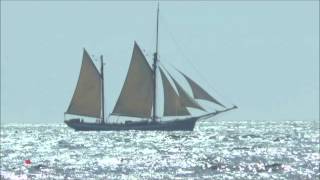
(199,92)
(87,98)
(136,96)
(172,102)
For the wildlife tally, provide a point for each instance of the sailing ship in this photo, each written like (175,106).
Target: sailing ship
(138,97)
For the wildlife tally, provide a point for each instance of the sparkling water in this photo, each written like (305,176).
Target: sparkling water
(214,150)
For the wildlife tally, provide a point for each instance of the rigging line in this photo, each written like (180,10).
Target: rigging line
(192,65)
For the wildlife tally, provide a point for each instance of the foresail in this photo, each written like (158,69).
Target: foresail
(86,99)
(185,98)
(199,92)
(172,103)
(136,96)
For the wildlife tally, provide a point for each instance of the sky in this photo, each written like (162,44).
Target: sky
(262,56)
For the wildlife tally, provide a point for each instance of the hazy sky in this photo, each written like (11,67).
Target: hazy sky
(262,56)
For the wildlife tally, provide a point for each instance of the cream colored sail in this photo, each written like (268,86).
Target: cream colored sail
(136,96)
(199,92)
(185,98)
(86,99)
(172,102)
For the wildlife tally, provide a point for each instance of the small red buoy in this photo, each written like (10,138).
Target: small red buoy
(27,162)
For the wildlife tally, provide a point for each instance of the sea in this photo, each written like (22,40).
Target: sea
(214,150)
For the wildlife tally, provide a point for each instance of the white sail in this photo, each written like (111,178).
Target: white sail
(86,99)
(172,102)
(185,98)
(136,96)
(199,92)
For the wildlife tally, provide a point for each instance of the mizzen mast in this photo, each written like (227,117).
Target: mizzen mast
(155,61)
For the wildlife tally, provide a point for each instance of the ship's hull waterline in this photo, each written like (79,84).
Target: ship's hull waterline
(186,124)
(175,125)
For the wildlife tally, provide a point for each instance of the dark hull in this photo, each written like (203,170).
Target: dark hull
(186,124)
(176,125)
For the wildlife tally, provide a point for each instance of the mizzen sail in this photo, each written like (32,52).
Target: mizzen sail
(172,102)
(87,98)
(136,96)
(199,92)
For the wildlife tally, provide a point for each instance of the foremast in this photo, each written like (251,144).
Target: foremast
(155,61)
(102,91)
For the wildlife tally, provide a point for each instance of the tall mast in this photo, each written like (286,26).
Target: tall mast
(155,61)
(102,90)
